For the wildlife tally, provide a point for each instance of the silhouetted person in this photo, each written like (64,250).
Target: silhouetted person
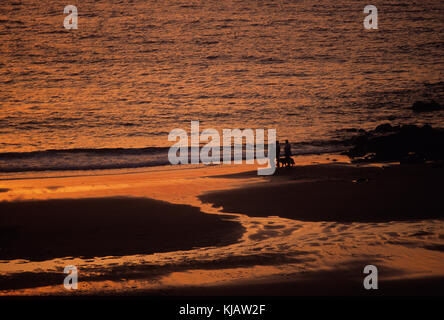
(278,153)
(287,153)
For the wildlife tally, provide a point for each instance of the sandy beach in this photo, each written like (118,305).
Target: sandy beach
(308,230)
(138,141)
(46,229)
(342,194)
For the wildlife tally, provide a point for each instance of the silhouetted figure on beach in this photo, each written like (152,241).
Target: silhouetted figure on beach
(287,153)
(278,153)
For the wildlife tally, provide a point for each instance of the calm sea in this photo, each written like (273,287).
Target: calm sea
(134,70)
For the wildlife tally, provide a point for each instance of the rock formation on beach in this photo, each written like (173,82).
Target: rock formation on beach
(423,106)
(406,144)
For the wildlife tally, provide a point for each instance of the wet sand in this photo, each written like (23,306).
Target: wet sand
(341,193)
(305,231)
(324,284)
(47,229)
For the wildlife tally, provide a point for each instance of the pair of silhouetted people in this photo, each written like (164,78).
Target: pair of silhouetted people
(287,154)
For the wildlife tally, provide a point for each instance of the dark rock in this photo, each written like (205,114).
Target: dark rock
(386,127)
(407,144)
(413,158)
(423,106)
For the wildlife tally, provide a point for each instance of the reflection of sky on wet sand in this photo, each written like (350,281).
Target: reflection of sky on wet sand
(270,247)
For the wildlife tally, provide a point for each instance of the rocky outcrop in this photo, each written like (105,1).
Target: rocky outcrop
(422,106)
(407,144)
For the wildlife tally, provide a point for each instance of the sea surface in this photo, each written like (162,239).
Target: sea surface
(107,94)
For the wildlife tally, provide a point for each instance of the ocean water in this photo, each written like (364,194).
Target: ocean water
(135,70)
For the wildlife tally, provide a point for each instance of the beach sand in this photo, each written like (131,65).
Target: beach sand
(47,229)
(341,194)
(222,230)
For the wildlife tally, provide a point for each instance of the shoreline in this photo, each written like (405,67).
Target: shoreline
(246,249)
(340,193)
(317,284)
